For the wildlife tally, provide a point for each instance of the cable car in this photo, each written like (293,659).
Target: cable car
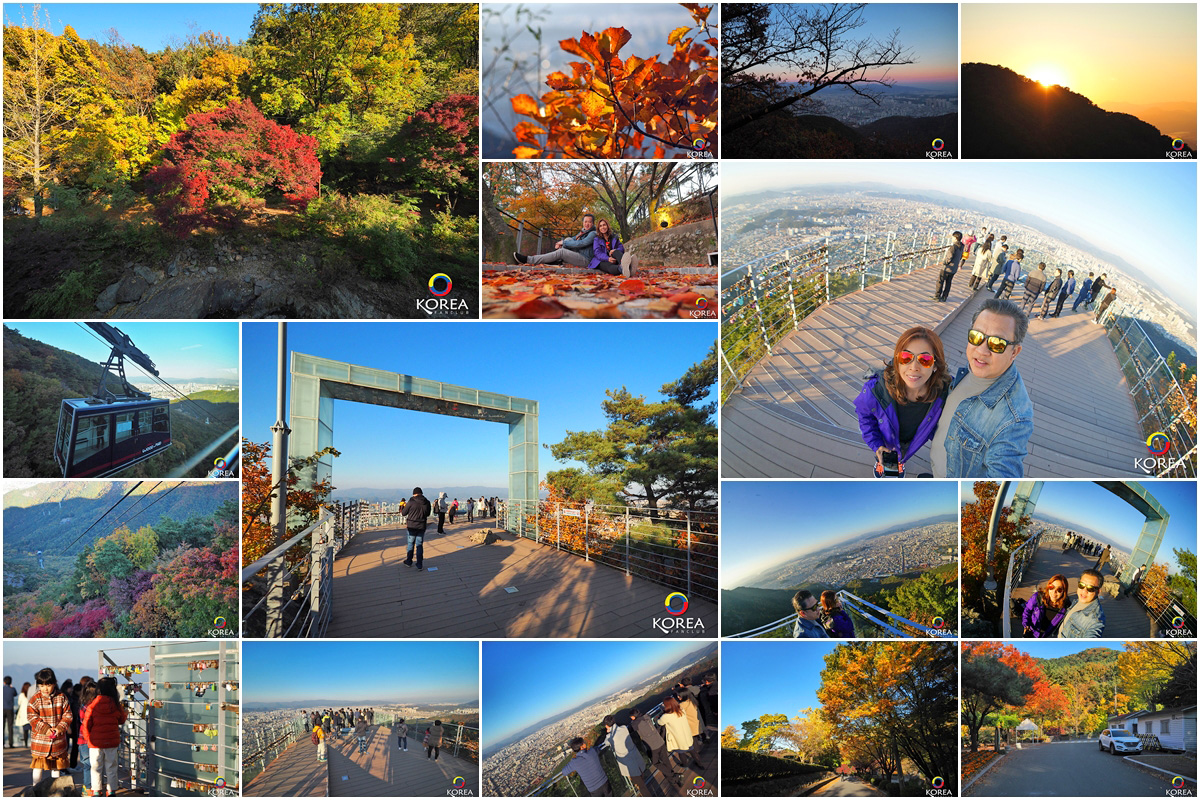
(108,432)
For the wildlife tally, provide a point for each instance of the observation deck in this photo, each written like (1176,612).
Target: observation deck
(793,413)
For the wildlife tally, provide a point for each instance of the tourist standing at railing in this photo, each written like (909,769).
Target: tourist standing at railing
(402,735)
(1051,292)
(1045,609)
(586,764)
(1106,302)
(1097,288)
(692,712)
(900,405)
(101,729)
(1067,289)
(1103,560)
(985,261)
(629,758)
(808,611)
(985,428)
(1135,582)
(709,700)
(679,735)
(416,518)
(999,260)
(1085,292)
(433,743)
(1033,287)
(470,509)
(1011,274)
(360,733)
(650,735)
(453,510)
(950,264)
(442,507)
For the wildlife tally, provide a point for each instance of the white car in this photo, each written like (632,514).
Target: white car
(1119,740)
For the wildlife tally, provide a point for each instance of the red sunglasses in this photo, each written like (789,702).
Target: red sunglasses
(905,358)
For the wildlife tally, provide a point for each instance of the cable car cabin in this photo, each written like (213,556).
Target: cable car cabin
(96,440)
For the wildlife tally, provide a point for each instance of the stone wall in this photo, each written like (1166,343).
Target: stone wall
(679,246)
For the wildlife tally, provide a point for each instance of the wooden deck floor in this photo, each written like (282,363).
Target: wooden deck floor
(558,594)
(18,775)
(293,773)
(1124,617)
(385,771)
(794,416)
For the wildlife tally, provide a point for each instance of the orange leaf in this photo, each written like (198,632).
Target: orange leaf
(526,152)
(632,286)
(558,80)
(595,106)
(619,37)
(524,104)
(677,34)
(540,309)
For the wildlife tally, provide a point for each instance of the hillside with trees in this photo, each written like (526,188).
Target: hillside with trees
(73,570)
(323,166)
(38,377)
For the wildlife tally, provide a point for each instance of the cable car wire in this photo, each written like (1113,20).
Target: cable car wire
(163,495)
(102,516)
(140,500)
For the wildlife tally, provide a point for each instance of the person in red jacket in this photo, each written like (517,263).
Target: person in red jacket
(102,721)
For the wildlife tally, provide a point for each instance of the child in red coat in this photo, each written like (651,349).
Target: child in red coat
(101,729)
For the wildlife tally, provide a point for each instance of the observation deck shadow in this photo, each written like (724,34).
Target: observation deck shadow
(464,591)
(293,773)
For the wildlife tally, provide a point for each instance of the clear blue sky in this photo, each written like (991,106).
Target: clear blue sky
(770,676)
(1092,506)
(360,672)
(769,521)
(1057,648)
(1143,212)
(565,366)
(181,350)
(928,30)
(524,682)
(69,658)
(153,26)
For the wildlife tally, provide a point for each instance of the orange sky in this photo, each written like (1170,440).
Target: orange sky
(1127,53)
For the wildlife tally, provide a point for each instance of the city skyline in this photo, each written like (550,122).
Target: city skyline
(1133,210)
(181,350)
(512,358)
(565,677)
(1094,507)
(381,672)
(765,519)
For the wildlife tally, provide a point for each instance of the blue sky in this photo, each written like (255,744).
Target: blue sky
(150,25)
(1059,648)
(768,522)
(1092,506)
(929,30)
(180,350)
(770,677)
(1143,212)
(360,672)
(524,682)
(565,366)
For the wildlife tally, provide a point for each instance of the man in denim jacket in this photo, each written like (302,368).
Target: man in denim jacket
(574,251)
(988,419)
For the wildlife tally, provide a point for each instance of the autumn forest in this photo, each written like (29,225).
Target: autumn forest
(323,165)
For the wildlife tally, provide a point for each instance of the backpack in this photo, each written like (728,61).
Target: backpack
(315,738)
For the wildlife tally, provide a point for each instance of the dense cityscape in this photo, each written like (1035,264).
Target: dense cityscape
(854,222)
(899,101)
(155,389)
(883,555)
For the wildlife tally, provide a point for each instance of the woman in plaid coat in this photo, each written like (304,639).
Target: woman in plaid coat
(50,718)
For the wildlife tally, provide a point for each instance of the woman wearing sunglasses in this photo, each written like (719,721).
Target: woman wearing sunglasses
(899,406)
(1045,610)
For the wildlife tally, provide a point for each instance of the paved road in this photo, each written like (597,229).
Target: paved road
(1073,769)
(852,787)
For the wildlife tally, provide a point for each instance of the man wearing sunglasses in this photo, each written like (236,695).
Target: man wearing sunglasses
(988,418)
(808,615)
(1085,615)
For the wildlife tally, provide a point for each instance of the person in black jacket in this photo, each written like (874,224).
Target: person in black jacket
(650,737)
(416,515)
(950,265)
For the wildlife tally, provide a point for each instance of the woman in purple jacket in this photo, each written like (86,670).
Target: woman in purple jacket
(608,254)
(835,619)
(1046,609)
(899,406)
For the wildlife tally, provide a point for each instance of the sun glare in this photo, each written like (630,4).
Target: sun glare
(1048,75)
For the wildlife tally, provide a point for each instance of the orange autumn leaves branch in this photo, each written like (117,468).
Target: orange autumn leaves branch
(614,108)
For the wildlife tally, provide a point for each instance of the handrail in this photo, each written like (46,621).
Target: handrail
(250,571)
(1006,615)
(853,603)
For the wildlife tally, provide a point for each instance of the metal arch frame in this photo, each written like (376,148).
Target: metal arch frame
(317,382)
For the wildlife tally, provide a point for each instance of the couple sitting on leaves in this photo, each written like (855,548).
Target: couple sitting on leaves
(595,247)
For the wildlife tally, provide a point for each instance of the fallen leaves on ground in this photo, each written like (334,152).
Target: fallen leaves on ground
(546,294)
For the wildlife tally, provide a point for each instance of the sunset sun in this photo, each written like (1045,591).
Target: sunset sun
(1048,75)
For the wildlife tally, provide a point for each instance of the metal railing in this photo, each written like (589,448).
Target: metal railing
(764,300)
(573,782)
(261,745)
(861,611)
(1163,405)
(458,740)
(295,590)
(1018,561)
(673,547)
